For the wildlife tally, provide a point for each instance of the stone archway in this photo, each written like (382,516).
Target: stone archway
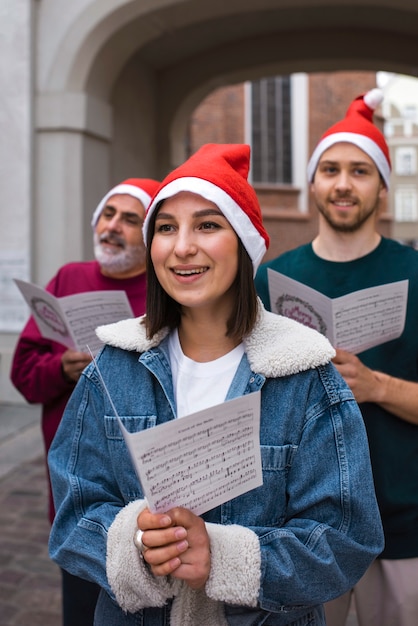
(114,82)
(117,81)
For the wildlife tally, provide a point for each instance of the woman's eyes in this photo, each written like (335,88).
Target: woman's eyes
(163,228)
(166,228)
(209,226)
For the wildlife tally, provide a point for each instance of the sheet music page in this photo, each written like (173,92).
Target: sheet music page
(355,322)
(368,317)
(293,299)
(84,312)
(72,320)
(201,460)
(47,313)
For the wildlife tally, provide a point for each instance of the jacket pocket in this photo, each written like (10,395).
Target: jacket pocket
(123,467)
(265,505)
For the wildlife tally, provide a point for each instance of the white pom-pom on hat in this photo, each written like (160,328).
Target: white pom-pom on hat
(373,98)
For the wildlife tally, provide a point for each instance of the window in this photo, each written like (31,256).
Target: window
(409,112)
(406,205)
(271,130)
(405,161)
(389,129)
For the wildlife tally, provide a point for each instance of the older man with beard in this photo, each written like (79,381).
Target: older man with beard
(46,372)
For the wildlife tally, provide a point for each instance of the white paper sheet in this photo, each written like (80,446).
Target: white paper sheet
(355,322)
(201,460)
(72,320)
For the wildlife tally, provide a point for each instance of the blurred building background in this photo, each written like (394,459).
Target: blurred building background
(282,118)
(94,91)
(400,113)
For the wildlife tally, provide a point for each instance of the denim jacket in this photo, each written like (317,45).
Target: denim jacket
(277,552)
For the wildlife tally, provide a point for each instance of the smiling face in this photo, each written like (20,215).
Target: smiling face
(347,188)
(118,243)
(194,252)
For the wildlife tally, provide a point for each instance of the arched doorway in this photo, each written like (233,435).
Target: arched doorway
(118,84)
(115,83)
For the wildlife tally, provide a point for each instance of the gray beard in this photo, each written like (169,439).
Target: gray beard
(126,260)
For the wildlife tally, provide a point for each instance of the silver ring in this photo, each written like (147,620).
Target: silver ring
(138,541)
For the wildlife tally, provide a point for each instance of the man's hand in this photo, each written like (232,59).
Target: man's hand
(73,363)
(177,544)
(363,382)
(399,397)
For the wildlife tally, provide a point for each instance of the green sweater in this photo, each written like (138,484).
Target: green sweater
(393,441)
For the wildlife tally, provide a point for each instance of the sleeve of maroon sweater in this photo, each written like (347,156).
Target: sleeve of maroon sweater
(36,367)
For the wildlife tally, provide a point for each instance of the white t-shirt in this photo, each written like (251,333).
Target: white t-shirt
(198,386)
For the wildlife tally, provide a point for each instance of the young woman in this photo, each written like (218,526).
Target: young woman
(273,555)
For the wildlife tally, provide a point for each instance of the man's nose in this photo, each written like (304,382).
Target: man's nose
(343,180)
(115,223)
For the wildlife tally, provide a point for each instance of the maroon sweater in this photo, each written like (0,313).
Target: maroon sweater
(36,368)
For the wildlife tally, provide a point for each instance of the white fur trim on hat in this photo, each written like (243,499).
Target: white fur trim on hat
(361,141)
(251,239)
(130,190)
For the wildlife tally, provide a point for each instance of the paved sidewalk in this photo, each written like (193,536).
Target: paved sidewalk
(30,583)
(20,435)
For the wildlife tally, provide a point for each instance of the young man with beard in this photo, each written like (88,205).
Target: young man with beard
(46,372)
(349,174)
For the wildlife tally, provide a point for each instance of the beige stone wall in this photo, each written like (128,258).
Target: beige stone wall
(15,175)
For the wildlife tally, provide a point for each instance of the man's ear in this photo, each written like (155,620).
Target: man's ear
(383,192)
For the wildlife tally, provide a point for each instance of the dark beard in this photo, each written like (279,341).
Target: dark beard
(341,227)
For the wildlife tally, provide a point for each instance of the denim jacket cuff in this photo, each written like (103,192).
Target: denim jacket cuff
(130,579)
(235,565)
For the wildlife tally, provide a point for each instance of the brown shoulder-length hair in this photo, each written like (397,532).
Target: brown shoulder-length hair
(163,311)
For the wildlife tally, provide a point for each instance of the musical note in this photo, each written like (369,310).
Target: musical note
(72,320)
(355,322)
(201,460)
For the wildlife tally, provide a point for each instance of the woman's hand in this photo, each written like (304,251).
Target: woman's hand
(176,543)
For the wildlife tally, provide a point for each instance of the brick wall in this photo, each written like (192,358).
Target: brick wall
(220,119)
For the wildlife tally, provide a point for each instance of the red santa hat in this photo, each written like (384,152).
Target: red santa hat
(358,128)
(140,188)
(218,173)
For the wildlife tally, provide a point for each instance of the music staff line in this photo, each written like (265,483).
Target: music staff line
(191,462)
